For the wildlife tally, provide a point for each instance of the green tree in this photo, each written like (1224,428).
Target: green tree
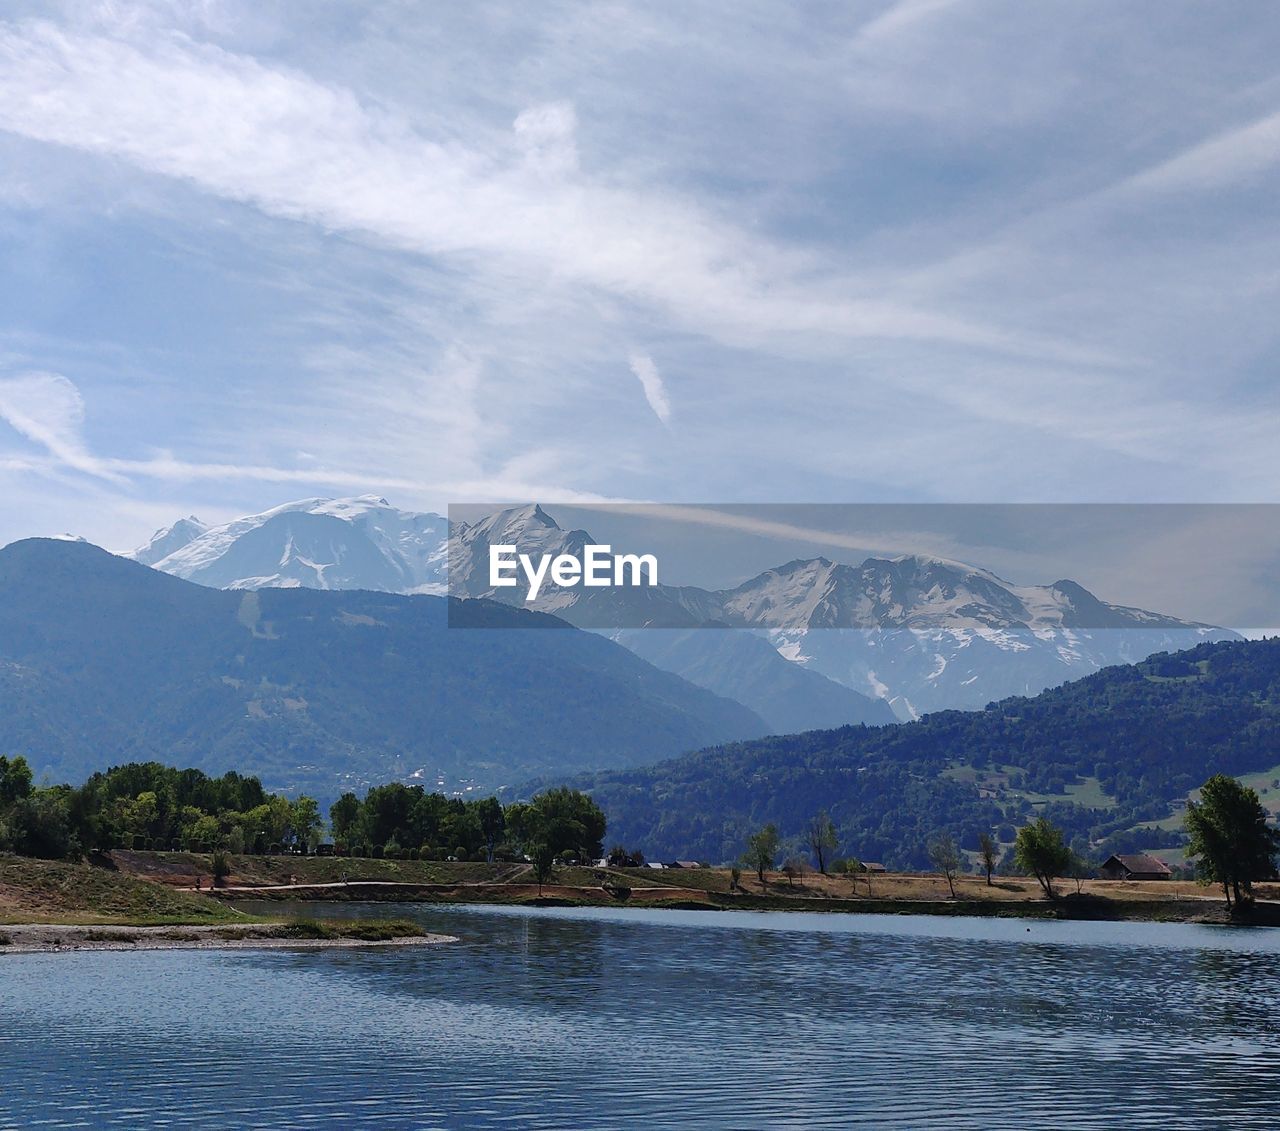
(343,815)
(762,850)
(543,858)
(1229,833)
(304,821)
(945,855)
(822,839)
(988,853)
(492,825)
(1040,850)
(565,818)
(15,779)
(221,868)
(204,834)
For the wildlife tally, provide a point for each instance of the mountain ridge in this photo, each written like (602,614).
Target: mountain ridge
(102,658)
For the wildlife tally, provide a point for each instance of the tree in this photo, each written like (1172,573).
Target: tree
(543,857)
(1040,850)
(1080,868)
(1229,833)
(566,818)
(794,866)
(945,855)
(489,812)
(221,868)
(304,822)
(15,779)
(988,853)
(822,839)
(343,815)
(762,850)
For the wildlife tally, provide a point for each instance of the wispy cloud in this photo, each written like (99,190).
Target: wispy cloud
(655,389)
(920,249)
(48,409)
(301,149)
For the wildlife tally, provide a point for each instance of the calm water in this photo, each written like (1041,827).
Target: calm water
(579,1019)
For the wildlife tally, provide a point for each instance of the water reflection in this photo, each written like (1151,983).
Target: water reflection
(654,1019)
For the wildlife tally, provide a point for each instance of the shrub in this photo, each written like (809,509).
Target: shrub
(460,852)
(221,868)
(376,852)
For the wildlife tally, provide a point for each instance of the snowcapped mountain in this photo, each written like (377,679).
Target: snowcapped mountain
(169,540)
(916,633)
(359,543)
(920,633)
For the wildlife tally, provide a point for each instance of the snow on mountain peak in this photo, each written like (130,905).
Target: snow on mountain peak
(168,540)
(351,543)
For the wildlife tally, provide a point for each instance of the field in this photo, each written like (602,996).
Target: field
(997,783)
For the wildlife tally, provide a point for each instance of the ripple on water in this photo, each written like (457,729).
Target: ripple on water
(540,1020)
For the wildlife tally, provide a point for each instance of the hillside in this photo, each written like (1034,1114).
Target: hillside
(57,891)
(1104,754)
(103,660)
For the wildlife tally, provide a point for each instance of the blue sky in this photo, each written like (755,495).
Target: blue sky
(914,251)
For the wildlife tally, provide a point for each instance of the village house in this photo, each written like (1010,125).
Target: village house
(1138,866)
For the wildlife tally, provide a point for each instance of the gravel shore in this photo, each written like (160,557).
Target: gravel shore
(43,938)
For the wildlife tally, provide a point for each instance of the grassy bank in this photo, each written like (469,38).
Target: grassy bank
(50,891)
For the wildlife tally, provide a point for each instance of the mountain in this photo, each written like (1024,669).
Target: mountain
(1103,756)
(360,543)
(365,544)
(912,633)
(746,667)
(103,660)
(169,540)
(920,633)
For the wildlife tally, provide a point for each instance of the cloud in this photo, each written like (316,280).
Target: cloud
(893,250)
(47,409)
(655,391)
(1227,158)
(302,149)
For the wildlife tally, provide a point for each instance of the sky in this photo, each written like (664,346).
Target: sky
(748,252)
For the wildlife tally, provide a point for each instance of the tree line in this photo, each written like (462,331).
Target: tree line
(150,806)
(147,805)
(399,819)
(1230,839)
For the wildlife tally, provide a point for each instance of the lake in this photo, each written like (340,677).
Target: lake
(606,1018)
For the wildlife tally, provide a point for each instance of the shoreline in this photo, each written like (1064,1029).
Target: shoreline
(1069,907)
(44,938)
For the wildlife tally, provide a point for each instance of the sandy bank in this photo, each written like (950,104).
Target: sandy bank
(38,938)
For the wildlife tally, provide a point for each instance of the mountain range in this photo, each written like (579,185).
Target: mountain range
(918,633)
(103,660)
(886,638)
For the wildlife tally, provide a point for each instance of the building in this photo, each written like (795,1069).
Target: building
(1138,866)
